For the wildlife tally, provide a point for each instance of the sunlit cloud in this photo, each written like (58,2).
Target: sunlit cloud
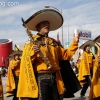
(77,14)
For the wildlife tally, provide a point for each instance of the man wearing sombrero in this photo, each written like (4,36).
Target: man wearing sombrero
(13,74)
(86,66)
(37,80)
(94,93)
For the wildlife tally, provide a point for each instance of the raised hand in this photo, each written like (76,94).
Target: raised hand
(76,37)
(36,48)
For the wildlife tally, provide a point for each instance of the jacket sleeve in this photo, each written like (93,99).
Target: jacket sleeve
(29,48)
(13,64)
(66,54)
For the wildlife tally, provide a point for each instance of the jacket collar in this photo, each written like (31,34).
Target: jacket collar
(42,35)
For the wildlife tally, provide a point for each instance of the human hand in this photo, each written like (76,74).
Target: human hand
(18,60)
(36,48)
(76,37)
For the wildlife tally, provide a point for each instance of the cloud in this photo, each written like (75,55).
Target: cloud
(18,36)
(77,14)
(84,16)
(15,10)
(7,20)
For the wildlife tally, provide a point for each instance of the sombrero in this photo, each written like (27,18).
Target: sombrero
(54,17)
(89,42)
(97,39)
(15,53)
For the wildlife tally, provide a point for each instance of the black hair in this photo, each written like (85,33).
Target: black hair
(86,47)
(39,24)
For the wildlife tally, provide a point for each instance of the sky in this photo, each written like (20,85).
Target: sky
(81,14)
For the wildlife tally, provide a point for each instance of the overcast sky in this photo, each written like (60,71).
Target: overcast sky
(82,14)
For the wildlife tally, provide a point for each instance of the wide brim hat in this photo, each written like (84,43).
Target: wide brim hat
(97,39)
(89,42)
(15,53)
(54,17)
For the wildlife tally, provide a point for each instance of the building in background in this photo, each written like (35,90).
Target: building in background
(5,50)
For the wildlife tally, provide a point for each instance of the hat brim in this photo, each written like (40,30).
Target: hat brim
(15,53)
(53,16)
(97,39)
(89,42)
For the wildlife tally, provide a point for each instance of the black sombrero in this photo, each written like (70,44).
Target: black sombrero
(54,17)
(97,39)
(15,53)
(89,42)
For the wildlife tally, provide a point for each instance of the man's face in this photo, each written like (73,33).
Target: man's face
(43,27)
(16,57)
(88,48)
(99,58)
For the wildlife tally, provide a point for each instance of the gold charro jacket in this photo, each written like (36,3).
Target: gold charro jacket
(13,70)
(32,63)
(85,64)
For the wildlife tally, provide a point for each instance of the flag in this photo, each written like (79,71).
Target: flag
(16,48)
(58,40)
(96,48)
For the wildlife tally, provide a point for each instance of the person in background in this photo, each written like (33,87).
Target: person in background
(75,69)
(13,75)
(95,83)
(72,62)
(1,88)
(78,64)
(86,66)
(6,72)
(3,72)
(73,65)
(40,77)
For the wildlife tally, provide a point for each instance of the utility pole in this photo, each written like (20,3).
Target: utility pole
(62,33)
(67,35)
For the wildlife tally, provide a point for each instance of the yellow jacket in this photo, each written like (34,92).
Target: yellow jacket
(13,70)
(15,66)
(31,63)
(1,88)
(86,60)
(95,84)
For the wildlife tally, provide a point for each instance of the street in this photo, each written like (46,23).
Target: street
(77,95)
